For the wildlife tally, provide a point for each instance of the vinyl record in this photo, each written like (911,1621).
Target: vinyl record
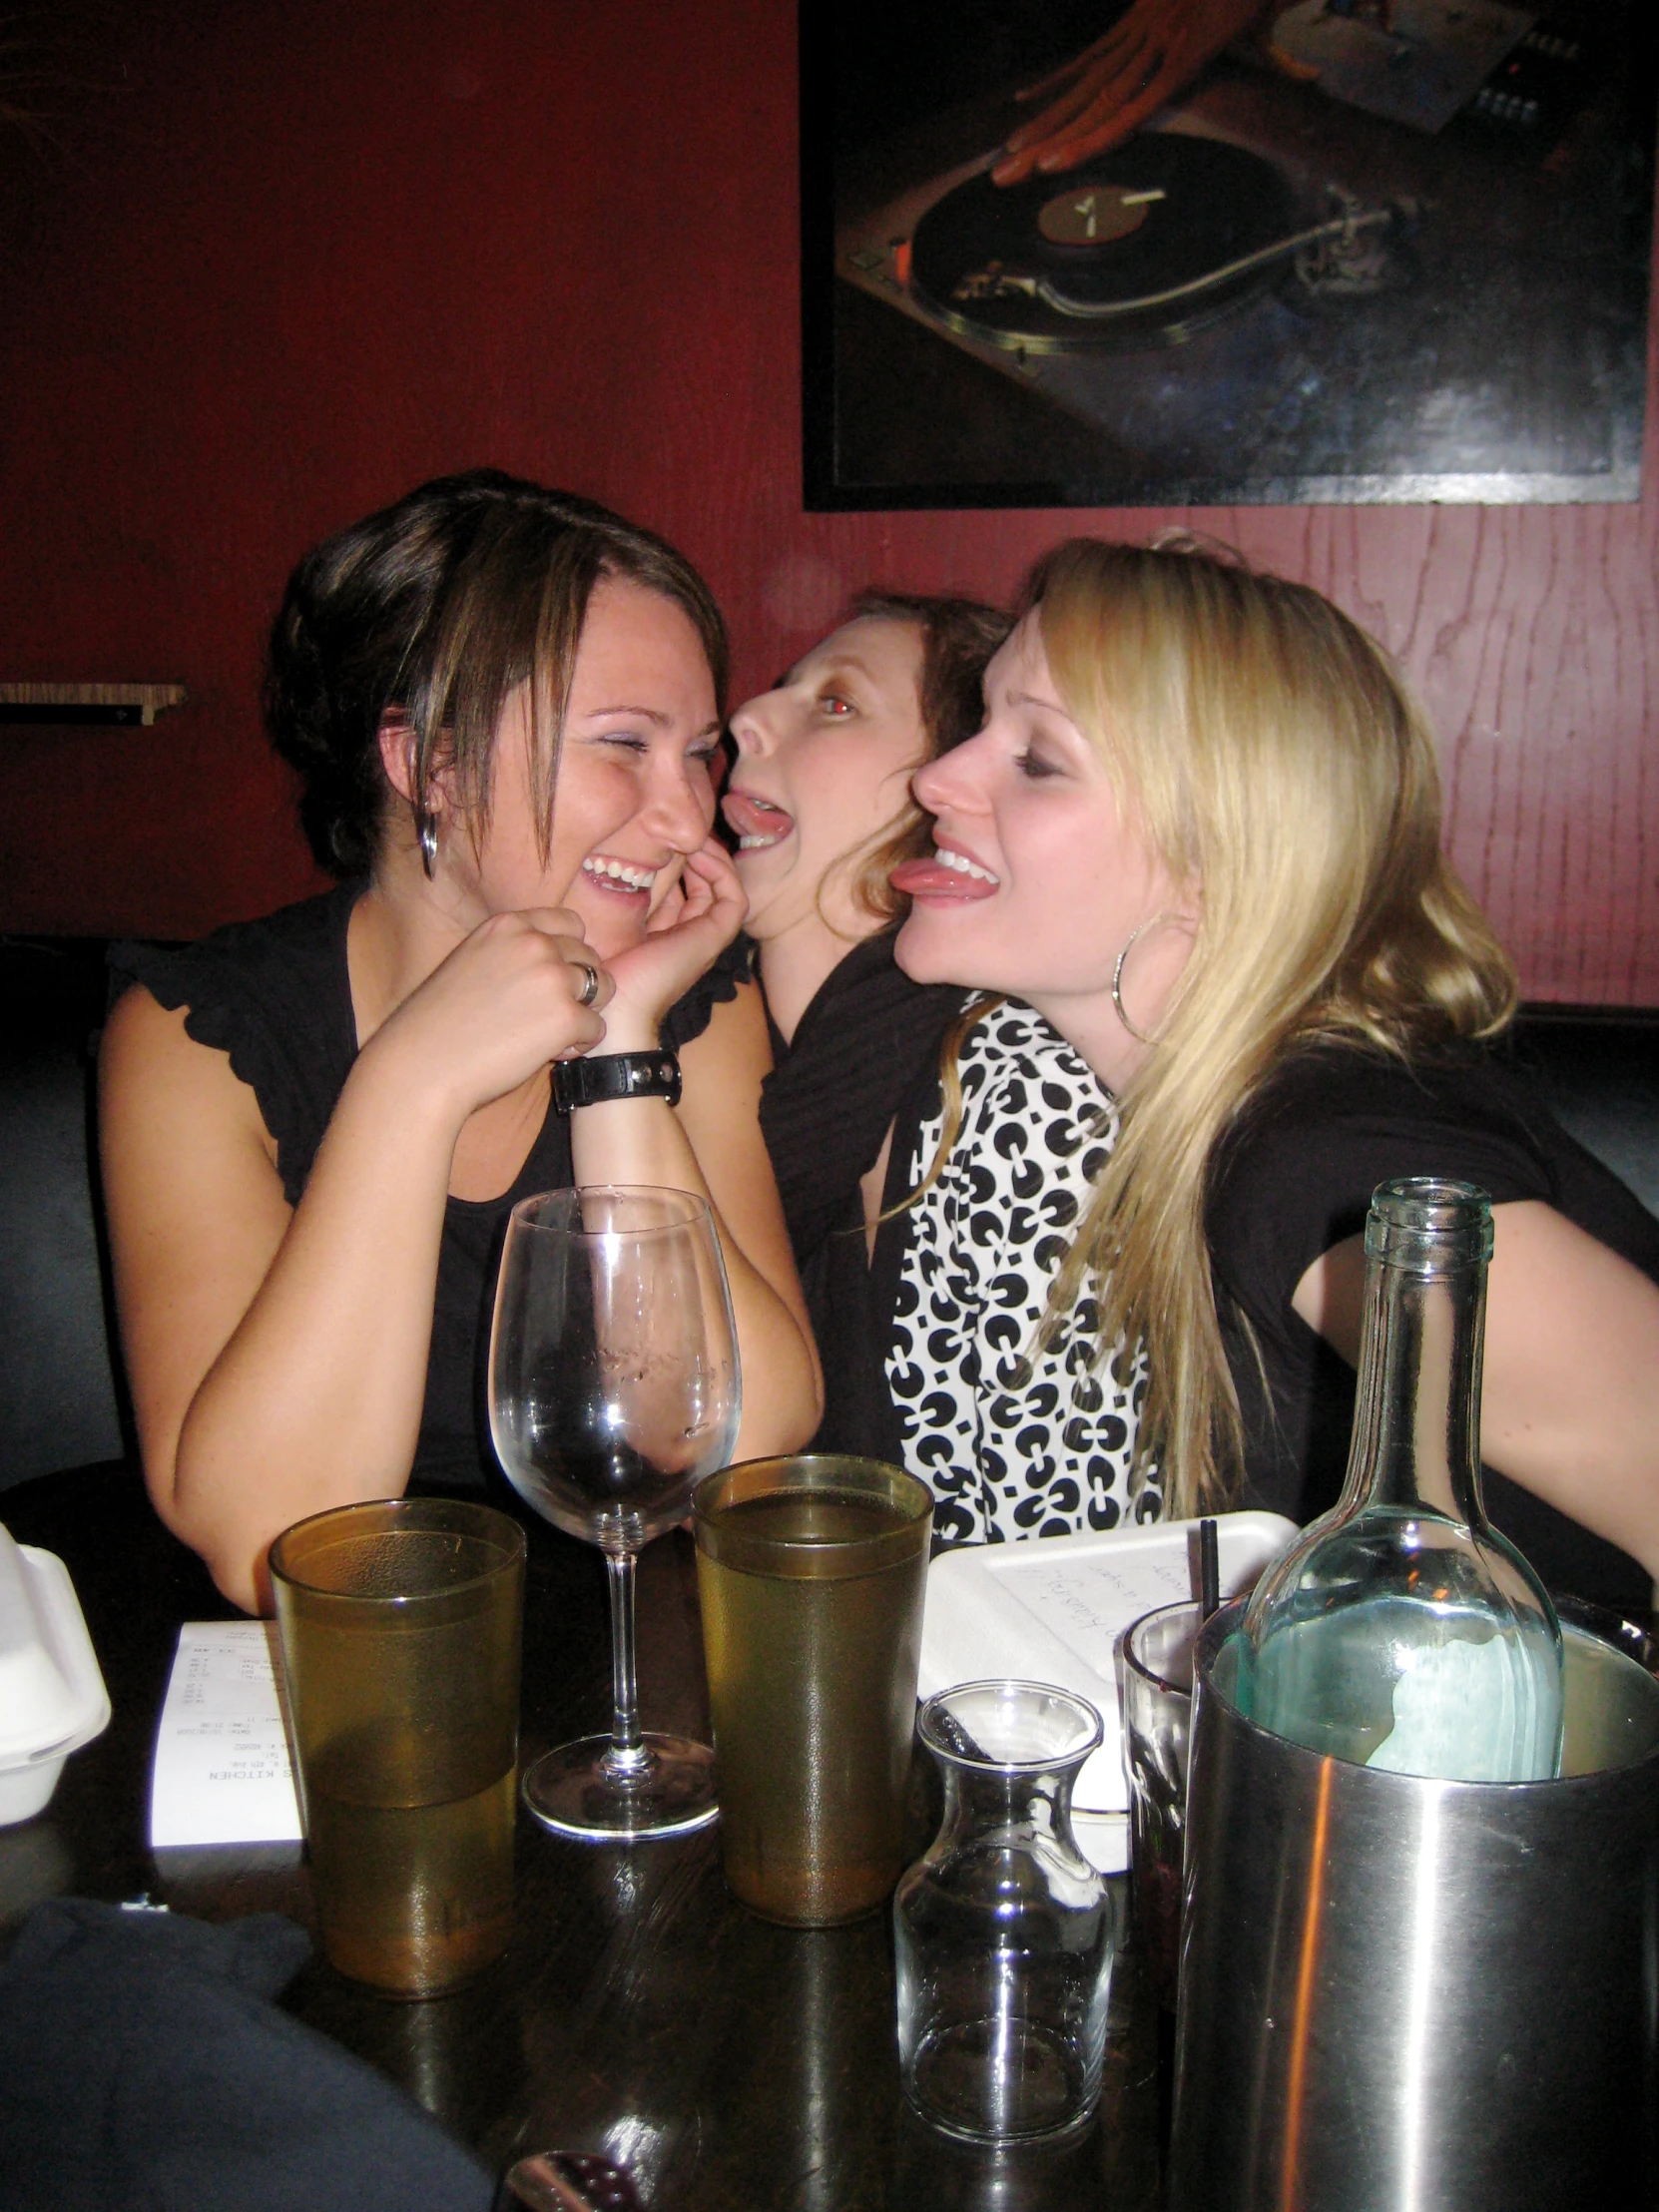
(1148,243)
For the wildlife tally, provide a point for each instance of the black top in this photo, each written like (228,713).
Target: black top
(1295,1177)
(277,996)
(866,1055)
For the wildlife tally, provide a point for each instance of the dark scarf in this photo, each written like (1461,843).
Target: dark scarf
(862,1045)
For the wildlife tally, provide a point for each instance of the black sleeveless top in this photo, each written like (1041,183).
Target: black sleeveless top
(865,1057)
(1293,1176)
(277,996)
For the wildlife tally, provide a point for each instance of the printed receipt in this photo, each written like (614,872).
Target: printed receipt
(222,1773)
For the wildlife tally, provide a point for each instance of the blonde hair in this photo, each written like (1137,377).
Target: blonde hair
(1279,768)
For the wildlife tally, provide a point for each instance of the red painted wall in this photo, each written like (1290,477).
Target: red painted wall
(287,259)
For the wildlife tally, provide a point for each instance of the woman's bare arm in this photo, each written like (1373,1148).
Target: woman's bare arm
(262,1391)
(712,1143)
(277,1359)
(1570,1396)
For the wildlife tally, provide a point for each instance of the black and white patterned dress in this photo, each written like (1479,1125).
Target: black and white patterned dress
(1013,1441)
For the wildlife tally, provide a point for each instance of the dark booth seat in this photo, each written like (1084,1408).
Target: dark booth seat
(1598,1069)
(61,1396)
(58,1391)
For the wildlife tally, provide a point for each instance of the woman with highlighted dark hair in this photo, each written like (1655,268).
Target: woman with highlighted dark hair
(1200,832)
(503,706)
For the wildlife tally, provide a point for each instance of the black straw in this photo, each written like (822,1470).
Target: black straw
(958,1739)
(1208,1569)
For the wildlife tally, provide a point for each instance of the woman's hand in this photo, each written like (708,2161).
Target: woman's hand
(1113,86)
(687,934)
(504,1003)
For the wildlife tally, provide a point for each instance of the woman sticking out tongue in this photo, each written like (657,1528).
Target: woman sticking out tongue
(931,1150)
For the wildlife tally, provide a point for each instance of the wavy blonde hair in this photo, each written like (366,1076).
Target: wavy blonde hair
(1279,766)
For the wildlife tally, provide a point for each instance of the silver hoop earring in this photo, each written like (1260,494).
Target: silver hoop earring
(426,837)
(1140,1036)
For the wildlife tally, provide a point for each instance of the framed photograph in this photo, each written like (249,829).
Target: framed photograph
(1368,251)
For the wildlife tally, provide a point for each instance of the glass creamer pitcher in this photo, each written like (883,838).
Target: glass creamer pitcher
(1004,1933)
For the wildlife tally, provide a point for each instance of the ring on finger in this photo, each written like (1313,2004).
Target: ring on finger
(590,982)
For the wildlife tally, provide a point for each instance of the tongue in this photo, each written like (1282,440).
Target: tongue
(750,819)
(930,878)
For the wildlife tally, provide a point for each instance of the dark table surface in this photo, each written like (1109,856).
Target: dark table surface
(640,2010)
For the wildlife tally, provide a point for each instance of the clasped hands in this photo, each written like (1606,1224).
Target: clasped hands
(514,993)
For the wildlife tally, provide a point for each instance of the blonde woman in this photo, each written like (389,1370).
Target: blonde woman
(932,1157)
(1200,832)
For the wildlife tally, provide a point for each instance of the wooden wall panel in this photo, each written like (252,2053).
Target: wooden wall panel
(298,255)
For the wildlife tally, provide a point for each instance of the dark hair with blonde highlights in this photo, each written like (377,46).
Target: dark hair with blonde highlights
(436,608)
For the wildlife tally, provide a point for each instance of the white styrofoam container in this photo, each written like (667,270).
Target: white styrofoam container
(1053,1609)
(51,1696)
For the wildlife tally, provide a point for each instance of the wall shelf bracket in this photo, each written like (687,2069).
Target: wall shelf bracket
(126,705)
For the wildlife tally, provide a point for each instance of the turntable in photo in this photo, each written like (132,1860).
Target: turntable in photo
(1393,267)
(1142,247)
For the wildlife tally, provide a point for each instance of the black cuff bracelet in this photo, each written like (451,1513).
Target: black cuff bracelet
(594,1081)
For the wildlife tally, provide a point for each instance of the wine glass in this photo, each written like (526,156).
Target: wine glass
(614,1389)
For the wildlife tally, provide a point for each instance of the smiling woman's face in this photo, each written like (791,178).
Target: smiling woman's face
(823,770)
(1038,877)
(635,789)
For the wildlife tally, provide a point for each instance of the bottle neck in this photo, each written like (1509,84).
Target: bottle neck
(1417,1427)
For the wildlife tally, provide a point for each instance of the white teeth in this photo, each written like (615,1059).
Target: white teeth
(619,871)
(962,865)
(754,843)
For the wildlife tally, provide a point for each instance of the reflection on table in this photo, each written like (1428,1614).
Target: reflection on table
(640,2010)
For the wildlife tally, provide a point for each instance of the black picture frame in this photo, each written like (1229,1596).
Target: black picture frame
(1500,358)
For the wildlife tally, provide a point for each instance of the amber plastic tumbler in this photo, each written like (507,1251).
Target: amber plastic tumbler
(402,1626)
(811,1573)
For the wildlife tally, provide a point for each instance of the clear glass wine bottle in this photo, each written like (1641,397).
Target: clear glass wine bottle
(1401,1630)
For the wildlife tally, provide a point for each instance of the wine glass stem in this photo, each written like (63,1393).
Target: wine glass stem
(626,1755)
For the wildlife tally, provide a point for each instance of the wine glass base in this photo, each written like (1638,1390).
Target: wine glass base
(571,1791)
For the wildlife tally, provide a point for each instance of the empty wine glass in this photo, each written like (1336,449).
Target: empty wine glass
(614,1389)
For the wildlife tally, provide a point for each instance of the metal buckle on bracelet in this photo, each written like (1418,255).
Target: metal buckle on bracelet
(603,1076)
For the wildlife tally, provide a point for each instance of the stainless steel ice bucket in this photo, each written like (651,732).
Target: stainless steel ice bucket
(1400,1995)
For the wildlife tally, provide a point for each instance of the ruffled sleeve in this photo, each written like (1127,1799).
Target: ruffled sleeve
(275,997)
(691,1015)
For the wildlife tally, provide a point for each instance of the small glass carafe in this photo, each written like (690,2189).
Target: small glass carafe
(1004,1933)
(1400,1630)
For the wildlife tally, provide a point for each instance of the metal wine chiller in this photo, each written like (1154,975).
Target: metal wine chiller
(1403,1996)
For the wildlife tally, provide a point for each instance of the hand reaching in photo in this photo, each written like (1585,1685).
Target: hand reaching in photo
(1109,90)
